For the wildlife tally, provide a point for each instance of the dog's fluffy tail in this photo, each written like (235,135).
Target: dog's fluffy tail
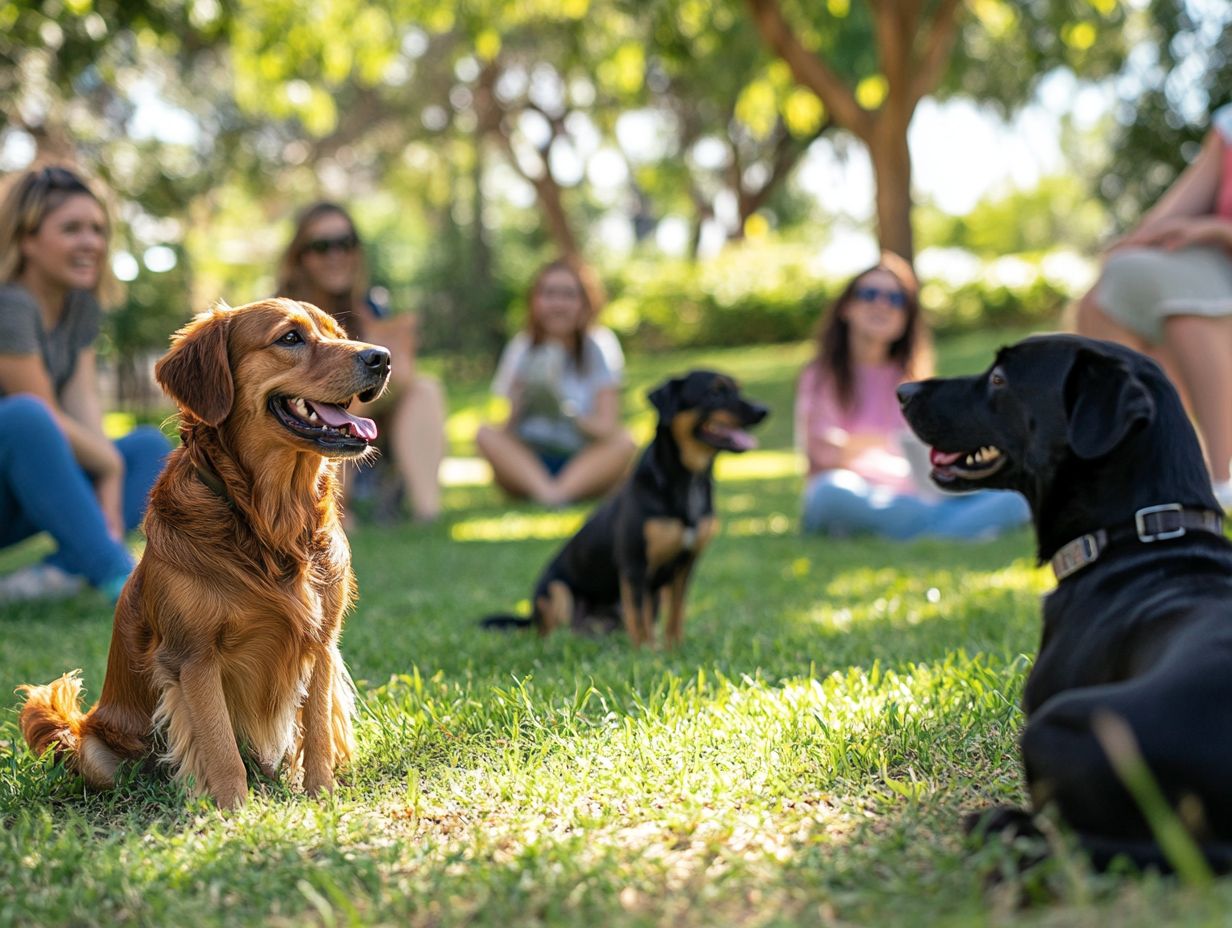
(52,720)
(505,622)
(52,716)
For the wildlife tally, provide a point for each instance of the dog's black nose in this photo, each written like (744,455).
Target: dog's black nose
(375,359)
(907,392)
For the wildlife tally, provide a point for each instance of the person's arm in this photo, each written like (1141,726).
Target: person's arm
(604,418)
(79,418)
(1184,231)
(83,405)
(1191,195)
(397,334)
(506,381)
(607,360)
(827,445)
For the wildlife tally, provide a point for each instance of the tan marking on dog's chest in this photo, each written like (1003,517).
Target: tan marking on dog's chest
(667,539)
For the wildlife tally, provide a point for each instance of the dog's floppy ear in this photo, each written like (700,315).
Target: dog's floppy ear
(196,372)
(1105,401)
(664,396)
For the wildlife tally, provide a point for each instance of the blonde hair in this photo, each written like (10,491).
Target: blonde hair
(293,281)
(28,198)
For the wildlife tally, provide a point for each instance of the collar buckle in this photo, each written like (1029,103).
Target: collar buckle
(1076,555)
(1163,527)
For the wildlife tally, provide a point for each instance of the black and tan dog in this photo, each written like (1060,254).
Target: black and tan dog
(1136,657)
(650,533)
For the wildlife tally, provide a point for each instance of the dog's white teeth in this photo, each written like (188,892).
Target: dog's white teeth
(985,455)
(305,411)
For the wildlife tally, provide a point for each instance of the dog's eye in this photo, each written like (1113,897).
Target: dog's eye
(996,379)
(291,338)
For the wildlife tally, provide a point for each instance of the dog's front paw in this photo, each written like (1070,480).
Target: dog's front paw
(318,782)
(1005,822)
(232,793)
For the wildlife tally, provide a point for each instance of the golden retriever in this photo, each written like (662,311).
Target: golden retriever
(226,635)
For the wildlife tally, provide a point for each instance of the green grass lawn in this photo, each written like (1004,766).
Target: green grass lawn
(803,759)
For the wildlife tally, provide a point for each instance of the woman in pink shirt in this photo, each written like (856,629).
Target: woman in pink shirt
(1166,290)
(848,422)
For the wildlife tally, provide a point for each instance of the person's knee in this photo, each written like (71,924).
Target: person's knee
(144,443)
(486,440)
(29,418)
(429,389)
(824,499)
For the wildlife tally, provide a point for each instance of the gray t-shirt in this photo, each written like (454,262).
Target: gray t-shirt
(22,332)
(555,389)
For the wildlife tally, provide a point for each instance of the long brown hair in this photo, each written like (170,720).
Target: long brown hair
(585,318)
(912,352)
(26,200)
(293,280)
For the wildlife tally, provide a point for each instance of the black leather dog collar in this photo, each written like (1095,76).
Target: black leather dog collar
(1151,524)
(213,483)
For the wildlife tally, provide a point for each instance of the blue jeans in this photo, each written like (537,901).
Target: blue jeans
(44,489)
(841,502)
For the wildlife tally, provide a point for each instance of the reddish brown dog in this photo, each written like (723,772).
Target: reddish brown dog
(226,635)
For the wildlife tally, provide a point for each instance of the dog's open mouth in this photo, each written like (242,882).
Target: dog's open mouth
(949,466)
(726,437)
(326,424)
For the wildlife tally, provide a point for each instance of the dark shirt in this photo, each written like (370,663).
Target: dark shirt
(22,331)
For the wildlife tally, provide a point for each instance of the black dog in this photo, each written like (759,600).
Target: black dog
(651,532)
(1137,644)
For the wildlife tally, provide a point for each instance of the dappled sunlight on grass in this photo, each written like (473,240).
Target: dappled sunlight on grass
(888,594)
(758,465)
(517,526)
(776,523)
(697,780)
(861,584)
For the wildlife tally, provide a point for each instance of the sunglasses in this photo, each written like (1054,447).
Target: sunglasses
(895,298)
(560,293)
(323,246)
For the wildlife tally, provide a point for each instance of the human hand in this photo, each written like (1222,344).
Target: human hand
(1170,234)
(109,488)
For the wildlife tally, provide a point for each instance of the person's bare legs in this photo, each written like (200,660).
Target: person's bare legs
(417,443)
(591,472)
(1202,346)
(595,469)
(1087,317)
(516,469)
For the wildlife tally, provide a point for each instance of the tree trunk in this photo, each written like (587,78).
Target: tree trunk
(891,159)
(553,206)
(913,55)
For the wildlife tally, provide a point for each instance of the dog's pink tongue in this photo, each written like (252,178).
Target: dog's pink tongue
(338,417)
(742,440)
(942,458)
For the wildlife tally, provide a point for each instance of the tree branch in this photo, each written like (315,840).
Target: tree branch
(935,55)
(810,70)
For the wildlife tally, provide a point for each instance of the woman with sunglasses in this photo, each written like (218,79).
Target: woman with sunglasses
(324,265)
(59,473)
(564,440)
(848,422)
